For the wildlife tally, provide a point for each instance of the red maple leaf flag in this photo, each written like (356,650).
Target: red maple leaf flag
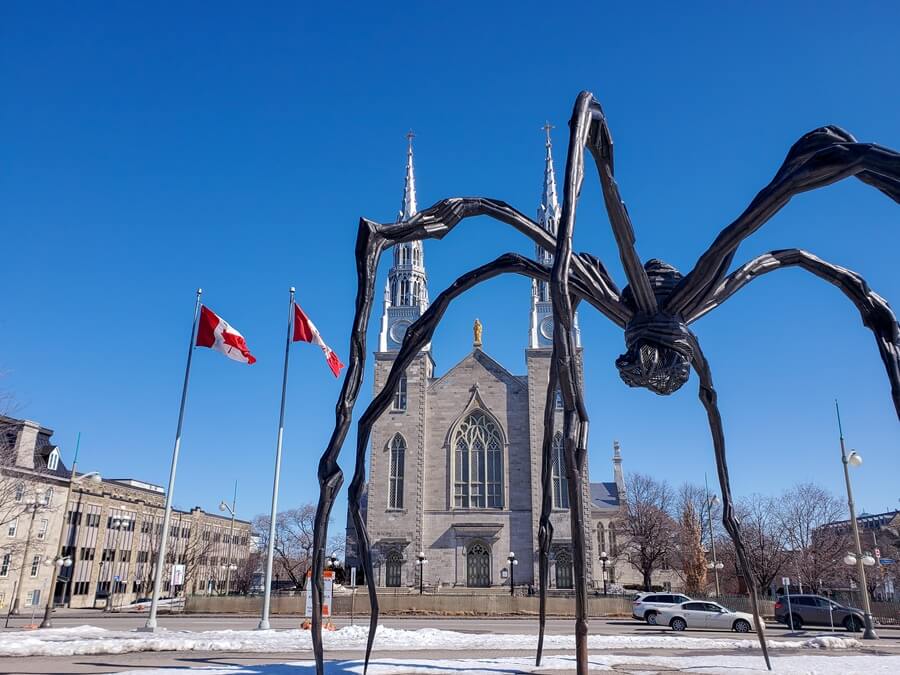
(306,331)
(214,332)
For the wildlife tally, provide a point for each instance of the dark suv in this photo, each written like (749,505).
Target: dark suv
(814,610)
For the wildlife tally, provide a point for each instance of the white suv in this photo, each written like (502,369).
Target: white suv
(646,606)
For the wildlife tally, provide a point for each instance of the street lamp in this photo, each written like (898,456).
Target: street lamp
(855,459)
(604,558)
(118,524)
(715,566)
(511,559)
(92,477)
(421,561)
(223,506)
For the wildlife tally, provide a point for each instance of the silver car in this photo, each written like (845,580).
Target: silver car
(646,606)
(704,614)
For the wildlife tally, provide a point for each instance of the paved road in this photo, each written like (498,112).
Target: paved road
(890,642)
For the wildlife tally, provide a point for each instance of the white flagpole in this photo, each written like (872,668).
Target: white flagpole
(267,594)
(161,559)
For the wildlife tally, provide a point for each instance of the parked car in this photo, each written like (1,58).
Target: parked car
(646,606)
(814,610)
(703,614)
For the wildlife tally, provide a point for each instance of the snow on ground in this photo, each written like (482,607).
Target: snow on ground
(711,665)
(93,640)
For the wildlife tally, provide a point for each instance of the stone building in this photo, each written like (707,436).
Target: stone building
(455,462)
(111,530)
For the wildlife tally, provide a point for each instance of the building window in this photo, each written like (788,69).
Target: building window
(20,491)
(48,496)
(81,588)
(601,537)
(560,482)
(4,564)
(393,567)
(53,460)
(400,394)
(87,553)
(564,576)
(33,599)
(13,527)
(478,464)
(398,459)
(35,565)
(93,520)
(558,400)
(613,543)
(42,530)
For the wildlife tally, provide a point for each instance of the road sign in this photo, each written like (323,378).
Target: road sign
(117,578)
(352,577)
(328,576)
(887,561)
(785,581)
(177,576)
(877,552)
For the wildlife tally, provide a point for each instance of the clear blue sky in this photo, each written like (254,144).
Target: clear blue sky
(150,150)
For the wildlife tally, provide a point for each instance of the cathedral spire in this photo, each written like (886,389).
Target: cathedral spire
(548,211)
(407,286)
(409,208)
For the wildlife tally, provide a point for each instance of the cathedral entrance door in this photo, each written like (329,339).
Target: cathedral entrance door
(478,566)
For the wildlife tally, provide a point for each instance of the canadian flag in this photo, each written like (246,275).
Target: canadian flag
(215,332)
(306,331)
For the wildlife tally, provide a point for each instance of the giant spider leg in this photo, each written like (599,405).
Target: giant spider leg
(709,399)
(545,526)
(372,238)
(875,311)
(417,336)
(575,419)
(821,157)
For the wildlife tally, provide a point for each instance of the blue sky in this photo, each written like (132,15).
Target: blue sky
(150,150)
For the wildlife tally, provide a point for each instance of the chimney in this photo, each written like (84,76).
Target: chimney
(26,444)
(617,470)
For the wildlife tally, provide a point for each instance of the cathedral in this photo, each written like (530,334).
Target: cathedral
(454,491)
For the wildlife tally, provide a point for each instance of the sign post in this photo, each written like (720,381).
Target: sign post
(786,582)
(327,599)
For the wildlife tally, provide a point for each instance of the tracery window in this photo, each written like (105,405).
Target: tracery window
(560,482)
(613,543)
(601,537)
(392,569)
(564,576)
(478,463)
(398,458)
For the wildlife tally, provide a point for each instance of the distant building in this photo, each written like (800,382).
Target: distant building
(879,535)
(111,533)
(455,469)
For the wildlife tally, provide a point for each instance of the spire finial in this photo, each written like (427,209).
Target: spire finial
(548,211)
(547,127)
(409,208)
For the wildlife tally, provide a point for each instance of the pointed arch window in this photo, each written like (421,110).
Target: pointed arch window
(478,463)
(613,542)
(560,482)
(398,459)
(564,576)
(393,569)
(601,537)
(400,394)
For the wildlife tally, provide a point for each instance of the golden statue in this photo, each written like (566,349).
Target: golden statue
(476,329)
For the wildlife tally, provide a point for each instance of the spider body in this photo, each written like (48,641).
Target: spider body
(655,310)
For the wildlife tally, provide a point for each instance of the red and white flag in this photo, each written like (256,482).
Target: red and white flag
(306,331)
(214,332)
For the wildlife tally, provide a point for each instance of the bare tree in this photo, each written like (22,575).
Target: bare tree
(247,569)
(293,542)
(650,534)
(691,556)
(765,538)
(816,551)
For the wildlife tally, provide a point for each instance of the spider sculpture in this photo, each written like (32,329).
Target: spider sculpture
(655,310)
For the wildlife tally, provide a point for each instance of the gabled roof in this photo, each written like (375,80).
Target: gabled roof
(41,459)
(605,496)
(488,364)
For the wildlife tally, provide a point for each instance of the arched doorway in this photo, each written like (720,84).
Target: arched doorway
(564,578)
(392,569)
(478,565)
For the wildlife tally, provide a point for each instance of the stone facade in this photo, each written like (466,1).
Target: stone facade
(110,528)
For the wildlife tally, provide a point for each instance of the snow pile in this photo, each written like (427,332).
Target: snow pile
(711,665)
(93,640)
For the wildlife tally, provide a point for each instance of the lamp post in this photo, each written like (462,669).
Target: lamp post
(58,563)
(716,565)
(92,477)
(860,560)
(421,561)
(118,524)
(223,506)
(511,559)
(603,560)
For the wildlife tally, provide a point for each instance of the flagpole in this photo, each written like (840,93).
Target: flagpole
(270,552)
(161,556)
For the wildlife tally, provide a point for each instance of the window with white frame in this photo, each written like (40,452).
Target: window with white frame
(53,460)
(48,496)
(35,565)
(20,491)
(400,394)
(4,564)
(478,463)
(560,482)
(42,530)
(398,459)
(13,527)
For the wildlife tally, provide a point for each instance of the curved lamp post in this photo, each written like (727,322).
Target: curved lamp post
(604,558)
(223,506)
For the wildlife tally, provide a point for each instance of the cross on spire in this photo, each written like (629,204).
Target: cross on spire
(409,206)
(547,127)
